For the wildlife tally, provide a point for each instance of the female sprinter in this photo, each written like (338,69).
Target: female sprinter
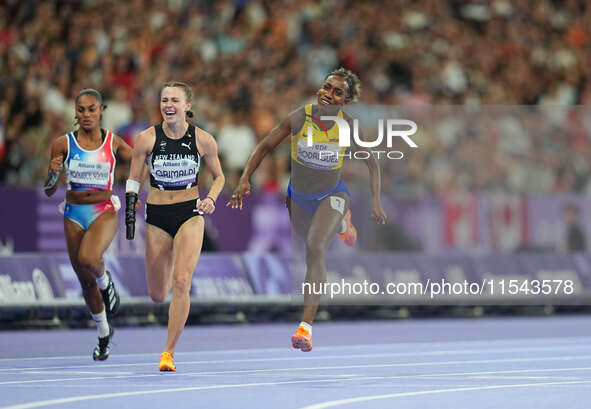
(173,150)
(318,199)
(90,214)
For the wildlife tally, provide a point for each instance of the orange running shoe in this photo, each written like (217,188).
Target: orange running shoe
(302,339)
(166,362)
(350,235)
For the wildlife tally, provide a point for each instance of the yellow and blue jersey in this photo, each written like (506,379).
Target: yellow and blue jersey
(324,152)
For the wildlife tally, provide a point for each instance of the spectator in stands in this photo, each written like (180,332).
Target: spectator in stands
(247,56)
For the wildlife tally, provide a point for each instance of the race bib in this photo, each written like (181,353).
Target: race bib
(174,172)
(89,174)
(323,156)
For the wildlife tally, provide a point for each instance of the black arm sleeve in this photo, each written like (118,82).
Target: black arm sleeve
(130,201)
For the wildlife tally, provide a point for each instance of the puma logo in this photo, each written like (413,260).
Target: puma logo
(186,145)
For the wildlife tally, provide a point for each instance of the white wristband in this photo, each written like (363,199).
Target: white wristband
(132,186)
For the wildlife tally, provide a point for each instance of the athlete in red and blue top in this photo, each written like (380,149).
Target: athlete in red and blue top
(89,170)
(87,158)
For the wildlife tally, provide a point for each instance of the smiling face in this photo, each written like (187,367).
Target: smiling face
(88,112)
(334,91)
(173,104)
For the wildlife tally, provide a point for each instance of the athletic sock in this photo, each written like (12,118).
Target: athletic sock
(306,326)
(102,325)
(103,281)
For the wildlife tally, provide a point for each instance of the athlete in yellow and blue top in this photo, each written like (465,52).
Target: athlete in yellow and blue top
(318,199)
(322,152)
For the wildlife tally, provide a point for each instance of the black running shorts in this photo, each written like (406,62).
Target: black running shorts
(171,217)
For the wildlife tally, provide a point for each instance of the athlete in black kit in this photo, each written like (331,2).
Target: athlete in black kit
(174,213)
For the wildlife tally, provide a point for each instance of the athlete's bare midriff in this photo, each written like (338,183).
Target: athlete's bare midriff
(88,196)
(164,197)
(308,180)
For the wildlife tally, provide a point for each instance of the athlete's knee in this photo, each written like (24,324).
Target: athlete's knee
(88,285)
(158,296)
(182,283)
(314,250)
(89,261)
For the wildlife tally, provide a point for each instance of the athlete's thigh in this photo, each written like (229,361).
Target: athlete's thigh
(300,220)
(158,258)
(99,235)
(327,218)
(187,246)
(74,234)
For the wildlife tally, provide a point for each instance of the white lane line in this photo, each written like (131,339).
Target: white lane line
(102,373)
(475,375)
(342,367)
(87,378)
(582,340)
(208,352)
(531,378)
(335,376)
(49,402)
(296,356)
(514,371)
(340,402)
(73,399)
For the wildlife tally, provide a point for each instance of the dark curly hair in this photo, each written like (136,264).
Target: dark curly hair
(352,81)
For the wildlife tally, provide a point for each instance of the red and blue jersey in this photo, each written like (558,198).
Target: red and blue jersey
(90,170)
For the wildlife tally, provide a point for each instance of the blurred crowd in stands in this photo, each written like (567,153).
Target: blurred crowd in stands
(250,62)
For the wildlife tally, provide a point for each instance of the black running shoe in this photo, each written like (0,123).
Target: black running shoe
(110,297)
(102,349)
